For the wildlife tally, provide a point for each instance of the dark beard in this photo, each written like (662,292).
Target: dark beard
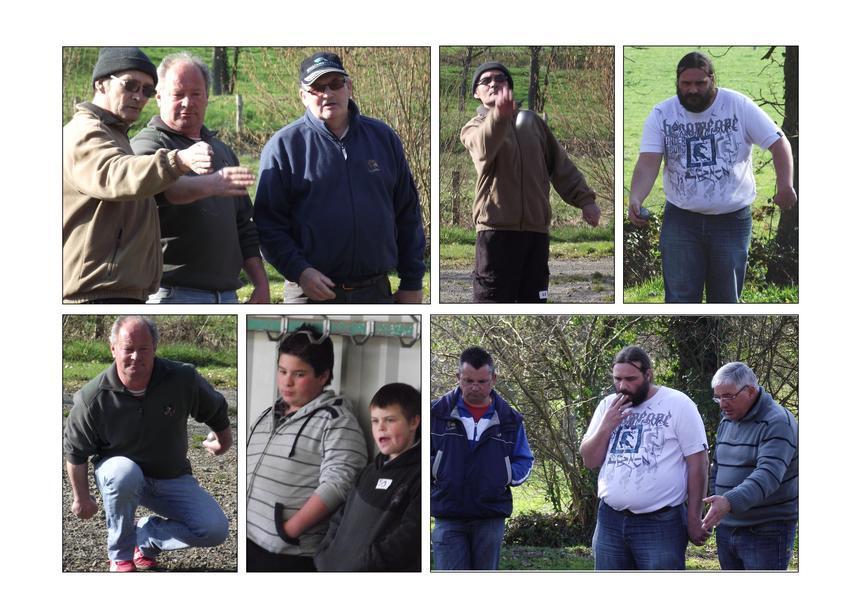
(697,103)
(641,395)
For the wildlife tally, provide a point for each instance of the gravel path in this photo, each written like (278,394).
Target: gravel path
(583,281)
(84,541)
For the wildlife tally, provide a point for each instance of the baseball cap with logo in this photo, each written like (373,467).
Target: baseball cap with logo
(318,64)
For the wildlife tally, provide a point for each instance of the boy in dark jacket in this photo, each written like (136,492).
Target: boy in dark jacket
(378,528)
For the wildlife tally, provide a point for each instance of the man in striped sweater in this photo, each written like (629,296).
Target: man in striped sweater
(754,475)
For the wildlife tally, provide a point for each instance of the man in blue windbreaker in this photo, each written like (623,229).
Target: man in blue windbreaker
(478,450)
(336,205)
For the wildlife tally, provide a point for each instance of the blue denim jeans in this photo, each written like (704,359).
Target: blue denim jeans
(766,546)
(653,541)
(190,517)
(188,295)
(467,544)
(704,253)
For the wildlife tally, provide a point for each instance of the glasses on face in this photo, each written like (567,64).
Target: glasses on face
(498,79)
(133,86)
(318,89)
(717,399)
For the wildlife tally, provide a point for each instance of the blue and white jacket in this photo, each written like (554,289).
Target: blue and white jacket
(347,207)
(474,464)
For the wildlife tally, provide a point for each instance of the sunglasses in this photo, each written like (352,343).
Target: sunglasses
(318,89)
(498,79)
(133,86)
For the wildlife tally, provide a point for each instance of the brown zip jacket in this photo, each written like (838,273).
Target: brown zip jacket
(111,235)
(516,160)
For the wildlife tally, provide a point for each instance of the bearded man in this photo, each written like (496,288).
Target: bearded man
(649,442)
(706,134)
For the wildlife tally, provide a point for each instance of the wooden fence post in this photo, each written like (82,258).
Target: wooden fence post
(455,198)
(239,111)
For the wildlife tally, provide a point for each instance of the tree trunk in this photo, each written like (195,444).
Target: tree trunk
(535,103)
(783,266)
(464,81)
(220,74)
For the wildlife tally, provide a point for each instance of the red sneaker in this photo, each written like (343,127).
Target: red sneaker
(142,562)
(122,565)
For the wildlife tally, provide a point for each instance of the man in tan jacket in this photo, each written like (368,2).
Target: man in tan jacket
(516,157)
(111,237)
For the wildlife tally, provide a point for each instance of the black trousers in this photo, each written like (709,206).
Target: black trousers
(374,291)
(511,266)
(258,559)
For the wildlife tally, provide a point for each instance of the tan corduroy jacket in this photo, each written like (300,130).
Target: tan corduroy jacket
(111,236)
(516,159)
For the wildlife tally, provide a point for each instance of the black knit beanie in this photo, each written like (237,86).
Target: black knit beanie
(115,59)
(491,65)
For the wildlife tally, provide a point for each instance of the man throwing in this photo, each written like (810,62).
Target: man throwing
(207,244)
(705,135)
(132,421)
(649,442)
(516,158)
(478,450)
(754,476)
(336,206)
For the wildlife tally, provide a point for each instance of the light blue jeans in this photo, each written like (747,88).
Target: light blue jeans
(190,516)
(467,544)
(188,295)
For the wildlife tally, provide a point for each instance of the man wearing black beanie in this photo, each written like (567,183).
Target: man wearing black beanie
(111,238)
(516,157)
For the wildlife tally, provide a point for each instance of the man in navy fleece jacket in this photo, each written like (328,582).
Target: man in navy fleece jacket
(336,205)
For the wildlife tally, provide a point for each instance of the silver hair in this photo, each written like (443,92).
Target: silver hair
(183,57)
(735,373)
(120,321)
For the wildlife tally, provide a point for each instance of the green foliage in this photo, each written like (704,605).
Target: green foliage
(538,529)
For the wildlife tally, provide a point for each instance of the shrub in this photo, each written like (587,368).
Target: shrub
(536,529)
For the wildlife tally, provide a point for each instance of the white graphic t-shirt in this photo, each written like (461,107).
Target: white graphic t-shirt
(708,155)
(644,469)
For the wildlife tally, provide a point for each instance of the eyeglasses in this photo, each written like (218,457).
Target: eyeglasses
(721,398)
(318,89)
(498,79)
(133,86)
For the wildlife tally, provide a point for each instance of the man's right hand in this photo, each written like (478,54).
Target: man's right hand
(85,508)
(315,285)
(505,102)
(633,209)
(197,158)
(232,181)
(616,412)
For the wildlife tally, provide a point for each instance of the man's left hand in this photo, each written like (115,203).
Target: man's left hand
(591,214)
(785,198)
(720,506)
(408,297)
(218,443)
(696,531)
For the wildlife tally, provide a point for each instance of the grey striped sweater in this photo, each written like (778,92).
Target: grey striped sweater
(755,464)
(317,450)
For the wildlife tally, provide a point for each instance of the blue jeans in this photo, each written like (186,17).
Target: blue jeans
(652,541)
(467,544)
(766,546)
(704,252)
(191,517)
(188,295)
